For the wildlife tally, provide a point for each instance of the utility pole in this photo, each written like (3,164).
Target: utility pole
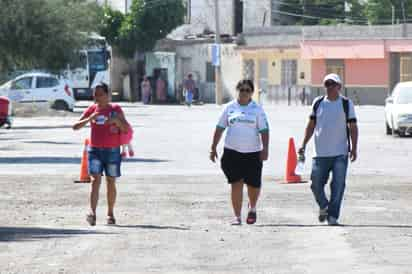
(393,15)
(404,26)
(218,67)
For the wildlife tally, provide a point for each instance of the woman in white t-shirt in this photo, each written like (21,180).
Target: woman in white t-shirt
(246,147)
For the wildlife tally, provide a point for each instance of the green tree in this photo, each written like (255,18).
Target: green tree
(110,24)
(147,22)
(43,33)
(356,13)
(380,11)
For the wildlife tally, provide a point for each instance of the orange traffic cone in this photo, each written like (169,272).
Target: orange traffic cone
(84,173)
(291,176)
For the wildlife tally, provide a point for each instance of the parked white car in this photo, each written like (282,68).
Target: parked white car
(398,110)
(40,88)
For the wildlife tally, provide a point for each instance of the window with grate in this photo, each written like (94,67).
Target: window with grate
(249,69)
(406,67)
(336,66)
(289,72)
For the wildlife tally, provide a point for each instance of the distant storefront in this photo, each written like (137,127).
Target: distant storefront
(369,68)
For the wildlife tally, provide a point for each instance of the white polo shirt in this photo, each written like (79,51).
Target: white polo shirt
(244,124)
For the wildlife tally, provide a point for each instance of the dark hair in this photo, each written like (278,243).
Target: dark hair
(103,86)
(245,82)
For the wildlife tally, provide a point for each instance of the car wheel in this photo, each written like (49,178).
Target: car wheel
(401,133)
(60,105)
(388,129)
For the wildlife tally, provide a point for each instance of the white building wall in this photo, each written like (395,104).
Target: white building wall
(203,15)
(256,13)
(197,55)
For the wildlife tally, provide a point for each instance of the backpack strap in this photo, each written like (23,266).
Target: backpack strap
(315,108)
(345,103)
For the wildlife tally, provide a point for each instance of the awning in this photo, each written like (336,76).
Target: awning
(399,45)
(342,50)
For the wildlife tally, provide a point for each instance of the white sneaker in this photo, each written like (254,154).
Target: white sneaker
(323,214)
(332,221)
(236,221)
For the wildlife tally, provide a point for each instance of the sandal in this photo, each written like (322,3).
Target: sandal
(251,218)
(91,219)
(111,220)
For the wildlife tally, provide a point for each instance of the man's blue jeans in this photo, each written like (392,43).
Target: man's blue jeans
(321,168)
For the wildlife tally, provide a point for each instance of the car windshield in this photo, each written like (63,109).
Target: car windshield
(97,60)
(404,95)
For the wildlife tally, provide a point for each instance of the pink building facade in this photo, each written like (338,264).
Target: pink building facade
(369,68)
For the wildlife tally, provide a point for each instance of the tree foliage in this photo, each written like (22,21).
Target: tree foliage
(43,34)
(314,12)
(147,22)
(380,11)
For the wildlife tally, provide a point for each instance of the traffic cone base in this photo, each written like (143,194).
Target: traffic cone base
(84,172)
(292,160)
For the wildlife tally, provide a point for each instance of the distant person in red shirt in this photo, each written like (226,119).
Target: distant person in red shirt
(107,121)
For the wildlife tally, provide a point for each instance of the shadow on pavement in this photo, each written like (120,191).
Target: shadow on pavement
(378,226)
(8,234)
(340,225)
(64,160)
(289,225)
(154,227)
(40,160)
(42,127)
(144,160)
(50,142)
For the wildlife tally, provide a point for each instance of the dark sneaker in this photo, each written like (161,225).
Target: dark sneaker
(323,214)
(251,218)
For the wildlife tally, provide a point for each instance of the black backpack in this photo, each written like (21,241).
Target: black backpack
(345,103)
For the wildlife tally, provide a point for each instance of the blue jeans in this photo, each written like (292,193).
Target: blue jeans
(189,97)
(104,159)
(321,168)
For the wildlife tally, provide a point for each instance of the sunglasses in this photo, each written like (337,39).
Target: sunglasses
(248,90)
(330,84)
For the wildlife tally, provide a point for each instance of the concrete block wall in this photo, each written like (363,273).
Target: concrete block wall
(257,13)
(203,15)
(338,32)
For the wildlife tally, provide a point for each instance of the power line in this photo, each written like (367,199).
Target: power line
(317,17)
(314,16)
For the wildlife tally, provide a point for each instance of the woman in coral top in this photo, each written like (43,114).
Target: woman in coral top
(107,122)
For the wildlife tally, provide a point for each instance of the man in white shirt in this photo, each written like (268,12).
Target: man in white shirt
(333,121)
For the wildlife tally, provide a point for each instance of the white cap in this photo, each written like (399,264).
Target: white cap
(334,77)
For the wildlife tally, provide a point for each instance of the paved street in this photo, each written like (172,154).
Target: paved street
(173,206)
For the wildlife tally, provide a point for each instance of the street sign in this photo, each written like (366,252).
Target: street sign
(216,55)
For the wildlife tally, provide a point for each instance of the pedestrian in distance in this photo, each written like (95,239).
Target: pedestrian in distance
(107,122)
(246,147)
(333,121)
(189,86)
(146,90)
